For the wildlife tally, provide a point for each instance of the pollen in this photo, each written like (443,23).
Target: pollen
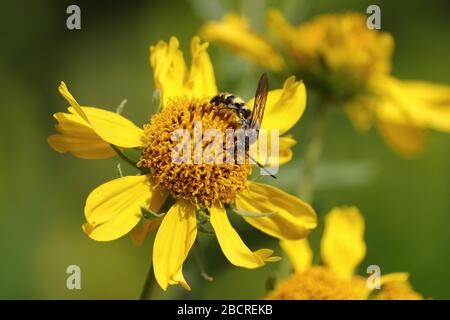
(202,183)
(319,283)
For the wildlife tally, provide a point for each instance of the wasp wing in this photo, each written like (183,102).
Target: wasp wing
(260,103)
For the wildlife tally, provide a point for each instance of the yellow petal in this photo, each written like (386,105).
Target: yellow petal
(234,32)
(284,107)
(201,82)
(114,128)
(394,277)
(280,27)
(64,91)
(342,246)
(172,76)
(416,103)
(403,115)
(109,126)
(405,139)
(73,124)
(299,253)
(139,233)
(433,103)
(231,243)
(284,153)
(169,68)
(174,239)
(82,147)
(267,255)
(293,219)
(178,278)
(77,137)
(114,208)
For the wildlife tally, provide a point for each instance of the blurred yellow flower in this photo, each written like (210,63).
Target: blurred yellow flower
(234,31)
(179,196)
(348,65)
(342,250)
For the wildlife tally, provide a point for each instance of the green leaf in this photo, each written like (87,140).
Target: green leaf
(203,229)
(150,215)
(121,106)
(119,171)
(202,214)
(156,100)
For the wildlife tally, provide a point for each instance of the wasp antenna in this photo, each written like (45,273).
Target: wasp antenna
(262,167)
(267,171)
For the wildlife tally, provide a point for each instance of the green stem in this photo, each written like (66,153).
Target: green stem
(124,157)
(200,261)
(149,285)
(312,155)
(311,160)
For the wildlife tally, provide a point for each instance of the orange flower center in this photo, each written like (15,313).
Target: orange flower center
(189,175)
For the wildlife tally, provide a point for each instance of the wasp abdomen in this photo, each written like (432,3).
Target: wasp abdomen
(229,101)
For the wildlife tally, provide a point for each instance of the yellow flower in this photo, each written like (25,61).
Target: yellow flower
(349,65)
(179,196)
(342,250)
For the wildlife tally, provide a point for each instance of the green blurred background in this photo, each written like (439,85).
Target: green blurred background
(406,203)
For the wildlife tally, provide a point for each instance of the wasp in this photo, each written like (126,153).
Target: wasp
(249,118)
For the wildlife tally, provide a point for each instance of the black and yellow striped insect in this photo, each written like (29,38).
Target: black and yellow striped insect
(251,119)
